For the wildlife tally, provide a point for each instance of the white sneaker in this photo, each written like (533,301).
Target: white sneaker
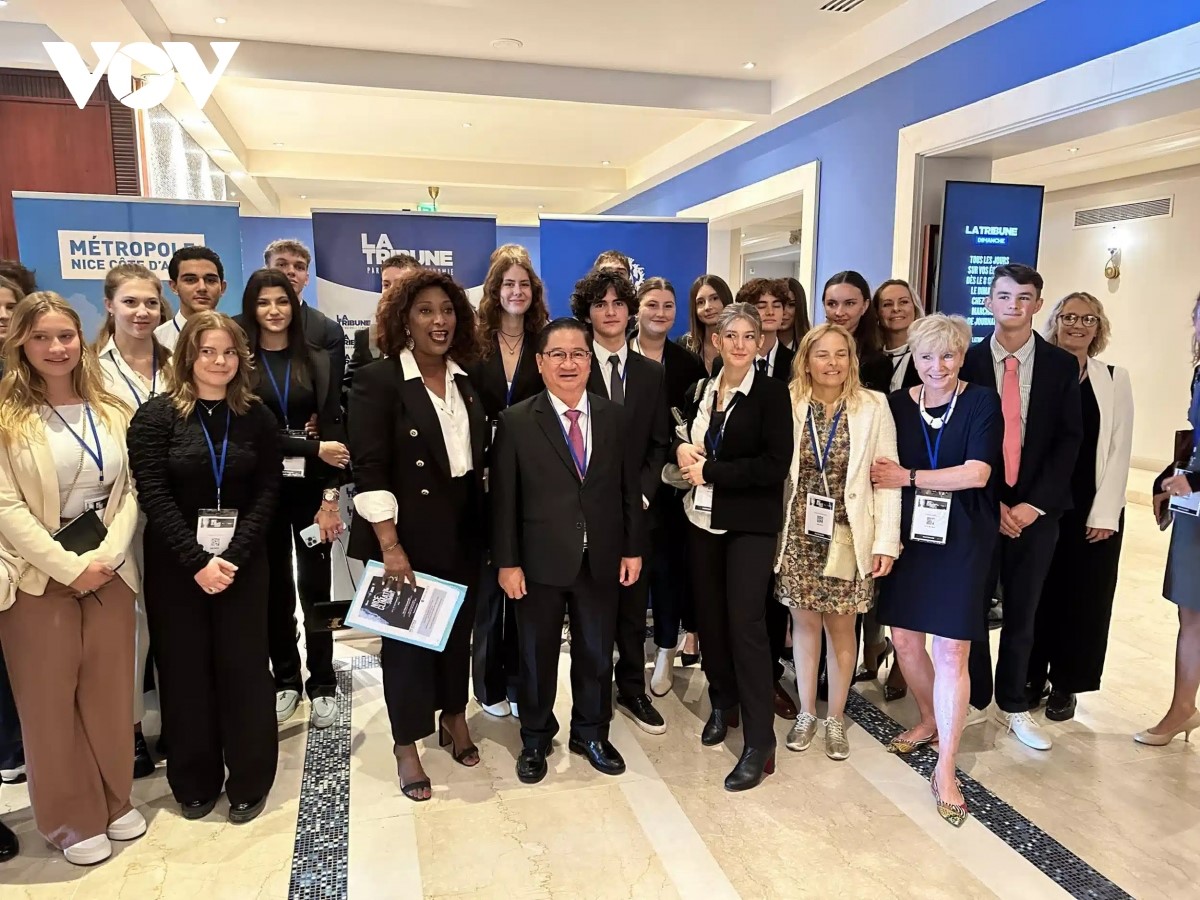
(88,853)
(13,776)
(1026,729)
(324,712)
(975,716)
(501,710)
(129,826)
(285,705)
(516,713)
(664,671)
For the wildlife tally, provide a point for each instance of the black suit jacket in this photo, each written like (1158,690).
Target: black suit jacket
(396,445)
(752,463)
(783,365)
(875,372)
(540,506)
(649,437)
(487,375)
(681,370)
(323,332)
(1053,428)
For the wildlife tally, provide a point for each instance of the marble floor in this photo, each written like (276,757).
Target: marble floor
(1097,816)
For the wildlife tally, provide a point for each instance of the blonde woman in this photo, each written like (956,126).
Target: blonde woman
(67,516)
(134,365)
(839,532)
(207,460)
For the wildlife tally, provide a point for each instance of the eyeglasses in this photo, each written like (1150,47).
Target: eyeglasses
(558,357)
(1089,321)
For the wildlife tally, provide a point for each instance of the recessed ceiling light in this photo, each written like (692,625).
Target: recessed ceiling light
(1072,149)
(507,44)
(466,124)
(233,193)
(749,65)
(304,196)
(605,162)
(3,3)
(220,20)
(279,143)
(541,206)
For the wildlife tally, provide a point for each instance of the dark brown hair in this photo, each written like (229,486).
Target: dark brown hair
(866,335)
(696,331)
(757,288)
(392,316)
(239,394)
(800,321)
(490,309)
(23,276)
(592,287)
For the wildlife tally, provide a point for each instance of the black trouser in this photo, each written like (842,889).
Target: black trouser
(1019,567)
(593,611)
(495,657)
(215,686)
(632,603)
(777,625)
(670,577)
(12,751)
(298,502)
(730,574)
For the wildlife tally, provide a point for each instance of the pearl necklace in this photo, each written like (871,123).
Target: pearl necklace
(939,421)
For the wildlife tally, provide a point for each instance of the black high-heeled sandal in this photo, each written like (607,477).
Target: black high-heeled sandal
(460,757)
(870,673)
(690,659)
(413,789)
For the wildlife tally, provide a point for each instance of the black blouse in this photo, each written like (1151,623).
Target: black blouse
(171,465)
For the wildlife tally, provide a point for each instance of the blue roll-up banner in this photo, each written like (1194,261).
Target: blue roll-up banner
(351,245)
(72,240)
(674,249)
(259,231)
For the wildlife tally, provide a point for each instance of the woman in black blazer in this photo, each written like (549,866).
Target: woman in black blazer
(737,458)
(512,314)
(417,433)
(847,300)
(897,306)
(295,382)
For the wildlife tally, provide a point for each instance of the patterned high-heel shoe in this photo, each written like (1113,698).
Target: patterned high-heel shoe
(954,813)
(901,746)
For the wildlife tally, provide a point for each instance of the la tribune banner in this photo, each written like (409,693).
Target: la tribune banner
(674,249)
(349,247)
(72,240)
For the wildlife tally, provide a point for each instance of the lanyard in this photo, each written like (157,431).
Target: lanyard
(508,395)
(581,465)
(712,446)
(175,322)
(898,359)
(217,470)
(137,398)
(933,449)
(97,455)
(287,387)
(823,457)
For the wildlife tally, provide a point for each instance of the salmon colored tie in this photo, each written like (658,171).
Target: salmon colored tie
(1010,405)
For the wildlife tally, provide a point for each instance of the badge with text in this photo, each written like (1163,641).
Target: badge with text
(215,528)
(931,516)
(702,497)
(818,516)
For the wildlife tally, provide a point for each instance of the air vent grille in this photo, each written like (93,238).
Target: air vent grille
(842,6)
(1158,208)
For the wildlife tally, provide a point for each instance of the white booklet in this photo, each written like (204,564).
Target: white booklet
(422,615)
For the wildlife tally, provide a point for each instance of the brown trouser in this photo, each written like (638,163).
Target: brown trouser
(71,661)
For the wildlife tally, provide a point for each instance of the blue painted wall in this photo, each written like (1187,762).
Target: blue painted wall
(258,231)
(528,236)
(854,137)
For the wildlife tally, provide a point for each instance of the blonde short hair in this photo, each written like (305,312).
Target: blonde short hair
(1103,328)
(801,382)
(938,333)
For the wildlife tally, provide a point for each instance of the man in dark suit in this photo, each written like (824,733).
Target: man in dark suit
(294,259)
(566,532)
(366,347)
(606,301)
(1043,428)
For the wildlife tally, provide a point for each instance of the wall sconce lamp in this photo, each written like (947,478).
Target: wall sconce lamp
(1112,268)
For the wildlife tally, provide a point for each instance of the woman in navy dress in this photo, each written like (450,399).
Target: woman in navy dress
(948,435)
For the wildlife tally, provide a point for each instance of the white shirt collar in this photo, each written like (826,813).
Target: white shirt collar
(999,354)
(408,364)
(111,347)
(180,320)
(769,356)
(746,383)
(603,354)
(560,408)
(896,351)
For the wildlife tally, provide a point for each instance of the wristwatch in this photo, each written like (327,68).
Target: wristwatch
(330,495)
(912,477)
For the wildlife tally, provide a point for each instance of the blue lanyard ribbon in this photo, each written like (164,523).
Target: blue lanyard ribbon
(217,470)
(581,465)
(714,445)
(97,455)
(934,448)
(137,398)
(287,387)
(823,457)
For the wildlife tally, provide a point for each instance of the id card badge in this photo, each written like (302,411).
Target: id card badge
(931,516)
(98,505)
(293,466)
(214,529)
(818,516)
(702,497)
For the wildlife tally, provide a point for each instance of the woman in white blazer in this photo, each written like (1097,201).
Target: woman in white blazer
(839,532)
(1076,606)
(67,620)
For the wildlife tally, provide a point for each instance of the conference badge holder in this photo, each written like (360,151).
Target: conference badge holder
(819,516)
(931,517)
(1188,504)
(215,528)
(702,497)
(294,466)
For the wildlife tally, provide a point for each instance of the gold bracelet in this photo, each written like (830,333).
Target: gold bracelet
(389,549)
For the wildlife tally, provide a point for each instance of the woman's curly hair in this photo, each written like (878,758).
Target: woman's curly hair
(392,314)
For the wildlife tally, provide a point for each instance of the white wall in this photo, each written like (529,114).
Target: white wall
(1149,306)
(769,268)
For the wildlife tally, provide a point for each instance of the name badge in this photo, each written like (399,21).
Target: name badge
(99,504)
(293,466)
(1188,504)
(931,516)
(214,529)
(702,497)
(818,516)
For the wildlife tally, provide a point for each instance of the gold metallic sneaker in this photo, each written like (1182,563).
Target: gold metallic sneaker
(801,735)
(836,745)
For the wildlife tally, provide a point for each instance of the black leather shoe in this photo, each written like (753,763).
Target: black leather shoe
(143,762)
(9,846)
(601,754)
(240,813)
(1061,706)
(531,764)
(718,725)
(750,770)
(823,687)
(197,809)
(642,711)
(996,616)
(785,707)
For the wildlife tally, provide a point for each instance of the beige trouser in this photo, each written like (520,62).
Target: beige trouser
(70,662)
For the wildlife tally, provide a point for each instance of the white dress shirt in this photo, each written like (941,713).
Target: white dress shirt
(75,494)
(455,423)
(168,332)
(131,387)
(769,356)
(702,518)
(899,357)
(1024,357)
(585,421)
(603,355)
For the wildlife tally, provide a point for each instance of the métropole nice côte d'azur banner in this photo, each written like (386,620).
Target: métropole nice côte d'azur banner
(350,246)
